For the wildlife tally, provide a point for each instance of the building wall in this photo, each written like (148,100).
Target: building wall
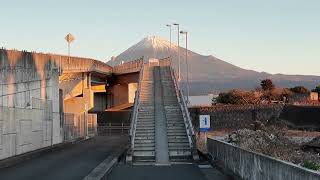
(120,94)
(120,90)
(100,102)
(132,88)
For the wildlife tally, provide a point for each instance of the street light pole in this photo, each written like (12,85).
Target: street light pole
(179,68)
(169,25)
(188,86)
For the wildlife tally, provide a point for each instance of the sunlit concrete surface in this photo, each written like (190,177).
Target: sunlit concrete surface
(72,163)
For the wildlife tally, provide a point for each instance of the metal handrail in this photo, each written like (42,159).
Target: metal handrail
(136,109)
(128,66)
(185,111)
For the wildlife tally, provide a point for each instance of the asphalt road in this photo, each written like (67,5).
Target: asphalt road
(70,163)
(173,172)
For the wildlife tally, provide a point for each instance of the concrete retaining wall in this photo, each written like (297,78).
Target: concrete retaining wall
(253,166)
(29,102)
(24,130)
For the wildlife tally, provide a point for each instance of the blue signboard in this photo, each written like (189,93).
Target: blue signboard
(204,123)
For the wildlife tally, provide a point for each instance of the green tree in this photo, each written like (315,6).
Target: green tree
(267,85)
(300,90)
(317,89)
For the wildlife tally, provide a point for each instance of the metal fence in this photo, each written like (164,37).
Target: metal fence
(132,66)
(79,126)
(108,129)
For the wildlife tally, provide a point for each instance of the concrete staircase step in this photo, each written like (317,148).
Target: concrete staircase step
(180,153)
(143,145)
(171,140)
(144,149)
(142,141)
(175,125)
(177,144)
(170,131)
(176,128)
(178,136)
(184,133)
(144,131)
(144,134)
(145,123)
(144,137)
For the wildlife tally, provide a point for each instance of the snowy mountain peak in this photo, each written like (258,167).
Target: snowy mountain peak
(153,42)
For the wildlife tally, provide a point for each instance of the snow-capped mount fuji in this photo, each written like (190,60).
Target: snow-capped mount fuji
(153,42)
(208,73)
(149,47)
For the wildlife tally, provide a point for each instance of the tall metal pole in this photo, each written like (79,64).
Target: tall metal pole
(179,68)
(170,41)
(169,25)
(188,86)
(68,52)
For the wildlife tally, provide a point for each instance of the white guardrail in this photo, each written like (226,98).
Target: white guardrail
(185,112)
(136,106)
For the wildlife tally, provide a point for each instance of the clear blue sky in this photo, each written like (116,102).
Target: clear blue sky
(274,36)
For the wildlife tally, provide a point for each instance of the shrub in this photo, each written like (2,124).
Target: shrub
(299,90)
(317,89)
(238,97)
(311,165)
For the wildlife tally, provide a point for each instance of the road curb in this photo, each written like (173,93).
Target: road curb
(104,168)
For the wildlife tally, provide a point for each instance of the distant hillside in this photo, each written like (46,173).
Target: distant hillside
(208,73)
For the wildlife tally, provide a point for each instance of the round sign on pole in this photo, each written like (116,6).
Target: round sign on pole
(69,38)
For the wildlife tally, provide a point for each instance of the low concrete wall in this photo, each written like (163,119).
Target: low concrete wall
(250,165)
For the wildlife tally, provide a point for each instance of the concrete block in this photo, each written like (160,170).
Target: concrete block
(9,120)
(57,135)
(46,129)
(5,151)
(1,132)
(36,119)
(24,136)
(36,139)
(9,146)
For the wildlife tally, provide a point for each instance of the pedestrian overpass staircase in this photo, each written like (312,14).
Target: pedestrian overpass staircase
(161,129)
